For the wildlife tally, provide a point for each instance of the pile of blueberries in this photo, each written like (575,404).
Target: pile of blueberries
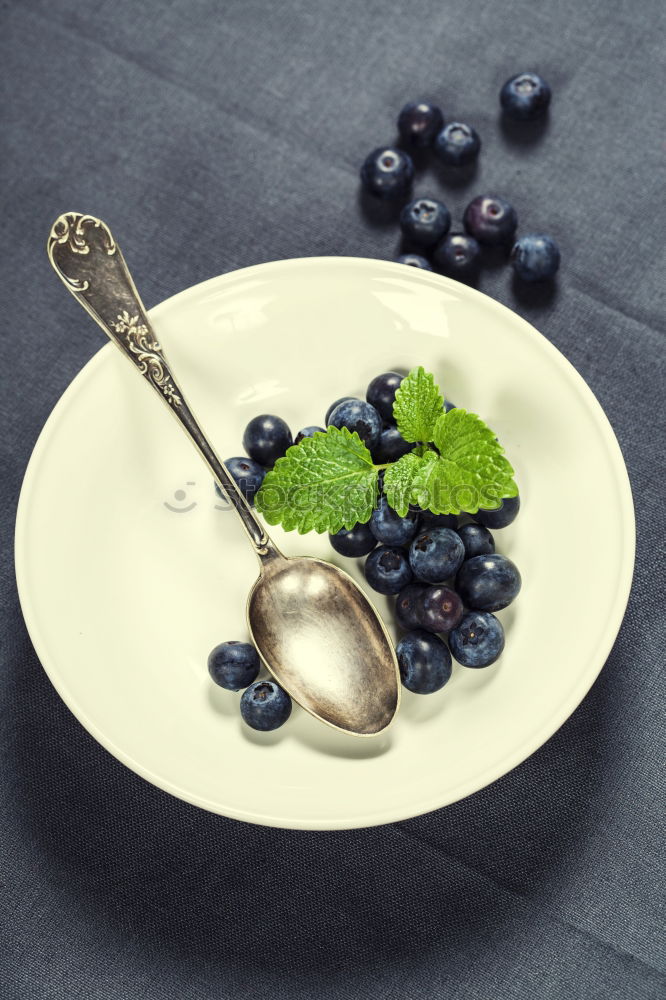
(490,220)
(444,569)
(448,580)
(445,573)
(264,705)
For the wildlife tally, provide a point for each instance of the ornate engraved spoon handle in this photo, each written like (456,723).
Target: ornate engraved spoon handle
(89,262)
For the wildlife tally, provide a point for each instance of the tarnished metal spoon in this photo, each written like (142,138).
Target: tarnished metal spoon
(314,628)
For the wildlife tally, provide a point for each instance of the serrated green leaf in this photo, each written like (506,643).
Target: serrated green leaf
(470,472)
(324,483)
(418,404)
(399,481)
(428,483)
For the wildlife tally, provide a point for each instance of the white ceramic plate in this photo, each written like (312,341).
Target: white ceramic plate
(129,573)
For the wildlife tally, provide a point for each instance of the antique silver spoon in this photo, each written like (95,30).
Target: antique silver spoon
(314,628)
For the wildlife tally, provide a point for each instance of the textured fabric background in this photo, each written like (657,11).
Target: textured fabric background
(217,135)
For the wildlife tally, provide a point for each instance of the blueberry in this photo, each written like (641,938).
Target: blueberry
(414,260)
(357,415)
(307,432)
(247,474)
(424,221)
(333,406)
(490,219)
(234,665)
(267,438)
(436,554)
(354,542)
(265,706)
(459,256)
(478,640)
(488,583)
(430,520)
(477,540)
(424,661)
(408,605)
(391,446)
(419,123)
(499,518)
(387,172)
(525,97)
(535,257)
(457,144)
(387,570)
(448,405)
(381,393)
(389,528)
(441,609)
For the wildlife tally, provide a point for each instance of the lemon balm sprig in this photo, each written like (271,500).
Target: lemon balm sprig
(329,481)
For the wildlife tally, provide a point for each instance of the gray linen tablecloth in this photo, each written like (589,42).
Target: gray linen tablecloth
(217,135)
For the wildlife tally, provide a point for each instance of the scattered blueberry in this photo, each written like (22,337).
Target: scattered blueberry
(307,432)
(458,256)
(389,528)
(408,605)
(477,540)
(247,474)
(488,583)
(354,542)
(333,406)
(414,260)
(381,393)
(436,554)
(233,665)
(265,706)
(424,661)
(357,415)
(478,640)
(391,446)
(490,219)
(387,570)
(424,221)
(457,144)
(525,97)
(430,520)
(267,438)
(441,609)
(419,123)
(387,172)
(535,257)
(448,405)
(501,517)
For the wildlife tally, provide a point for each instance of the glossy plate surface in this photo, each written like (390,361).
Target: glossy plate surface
(130,570)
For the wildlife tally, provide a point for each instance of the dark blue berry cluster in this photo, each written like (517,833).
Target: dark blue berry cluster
(443,570)
(488,220)
(264,705)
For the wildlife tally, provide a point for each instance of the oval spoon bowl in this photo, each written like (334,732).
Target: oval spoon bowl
(342,681)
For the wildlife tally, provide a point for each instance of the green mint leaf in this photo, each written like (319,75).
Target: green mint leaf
(428,483)
(324,483)
(471,470)
(418,404)
(399,481)
(416,480)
